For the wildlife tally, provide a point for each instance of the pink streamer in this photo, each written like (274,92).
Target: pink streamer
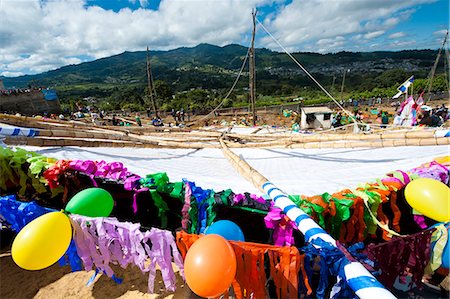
(257,198)
(186,206)
(283,228)
(240,197)
(102,241)
(420,220)
(109,170)
(434,171)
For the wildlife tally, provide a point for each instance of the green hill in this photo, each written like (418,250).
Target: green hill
(214,69)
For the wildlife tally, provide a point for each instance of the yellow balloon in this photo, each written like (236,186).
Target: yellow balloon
(42,242)
(443,160)
(429,197)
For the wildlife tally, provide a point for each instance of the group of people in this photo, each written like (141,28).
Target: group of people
(426,116)
(433,117)
(18,91)
(179,116)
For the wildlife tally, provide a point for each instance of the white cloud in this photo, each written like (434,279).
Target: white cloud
(336,43)
(402,44)
(374,34)
(397,35)
(41,35)
(440,33)
(11,74)
(142,3)
(303,23)
(56,30)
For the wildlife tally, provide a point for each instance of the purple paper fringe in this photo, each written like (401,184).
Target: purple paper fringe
(101,242)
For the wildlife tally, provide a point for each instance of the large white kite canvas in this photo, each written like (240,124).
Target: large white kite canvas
(295,171)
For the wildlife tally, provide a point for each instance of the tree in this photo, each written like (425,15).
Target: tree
(391,77)
(163,92)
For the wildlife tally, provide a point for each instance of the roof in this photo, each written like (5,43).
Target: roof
(309,110)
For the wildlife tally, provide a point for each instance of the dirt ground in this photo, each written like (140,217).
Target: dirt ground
(59,282)
(279,120)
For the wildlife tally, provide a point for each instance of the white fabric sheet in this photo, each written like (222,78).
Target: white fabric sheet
(295,171)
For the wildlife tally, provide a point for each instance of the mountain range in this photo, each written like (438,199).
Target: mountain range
(212,67)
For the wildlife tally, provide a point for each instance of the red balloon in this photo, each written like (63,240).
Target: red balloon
(210,266)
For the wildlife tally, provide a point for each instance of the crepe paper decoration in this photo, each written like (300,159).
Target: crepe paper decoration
(439,240)
(348,224)
(186,206)
(380,192)
(7,174)
(71,258)
(161,205)
(282,226)
(53,173)
(402,256)
(92,279)
(108,170)
(251,201)
(154,180)
(20,168)
(332,261)
(39,163)
(199,207)
(358,278)
(103,241)
(18,214)
(433,171)
(420,220)
(283,266)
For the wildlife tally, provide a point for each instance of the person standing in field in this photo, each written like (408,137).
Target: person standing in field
(138,120)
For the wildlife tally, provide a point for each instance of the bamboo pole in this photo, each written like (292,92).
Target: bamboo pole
(213,143)
(74,142)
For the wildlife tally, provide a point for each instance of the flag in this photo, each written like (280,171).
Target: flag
(404,87)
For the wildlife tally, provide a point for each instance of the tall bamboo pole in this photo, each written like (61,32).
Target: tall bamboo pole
(150,83)
(433,70)
(252,84)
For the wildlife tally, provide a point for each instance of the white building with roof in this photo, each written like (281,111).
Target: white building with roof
(315,118)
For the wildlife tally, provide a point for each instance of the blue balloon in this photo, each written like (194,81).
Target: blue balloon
(227,229)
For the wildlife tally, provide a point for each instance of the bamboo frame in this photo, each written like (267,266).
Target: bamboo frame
(80,135)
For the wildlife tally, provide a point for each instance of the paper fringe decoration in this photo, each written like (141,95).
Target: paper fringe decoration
(104,241)
(284,264)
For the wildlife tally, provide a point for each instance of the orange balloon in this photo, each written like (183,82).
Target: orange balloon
(210,266)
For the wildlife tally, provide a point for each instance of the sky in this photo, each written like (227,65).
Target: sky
(37,35)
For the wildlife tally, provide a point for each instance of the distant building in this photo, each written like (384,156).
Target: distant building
(29,101)
(315,118)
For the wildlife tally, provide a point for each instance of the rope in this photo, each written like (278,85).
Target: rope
(228,94)
(309,75)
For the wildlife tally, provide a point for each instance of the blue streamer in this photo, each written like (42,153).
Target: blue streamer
(116,279)
(332,262)
(18,214)
(201,197)
(71,258)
